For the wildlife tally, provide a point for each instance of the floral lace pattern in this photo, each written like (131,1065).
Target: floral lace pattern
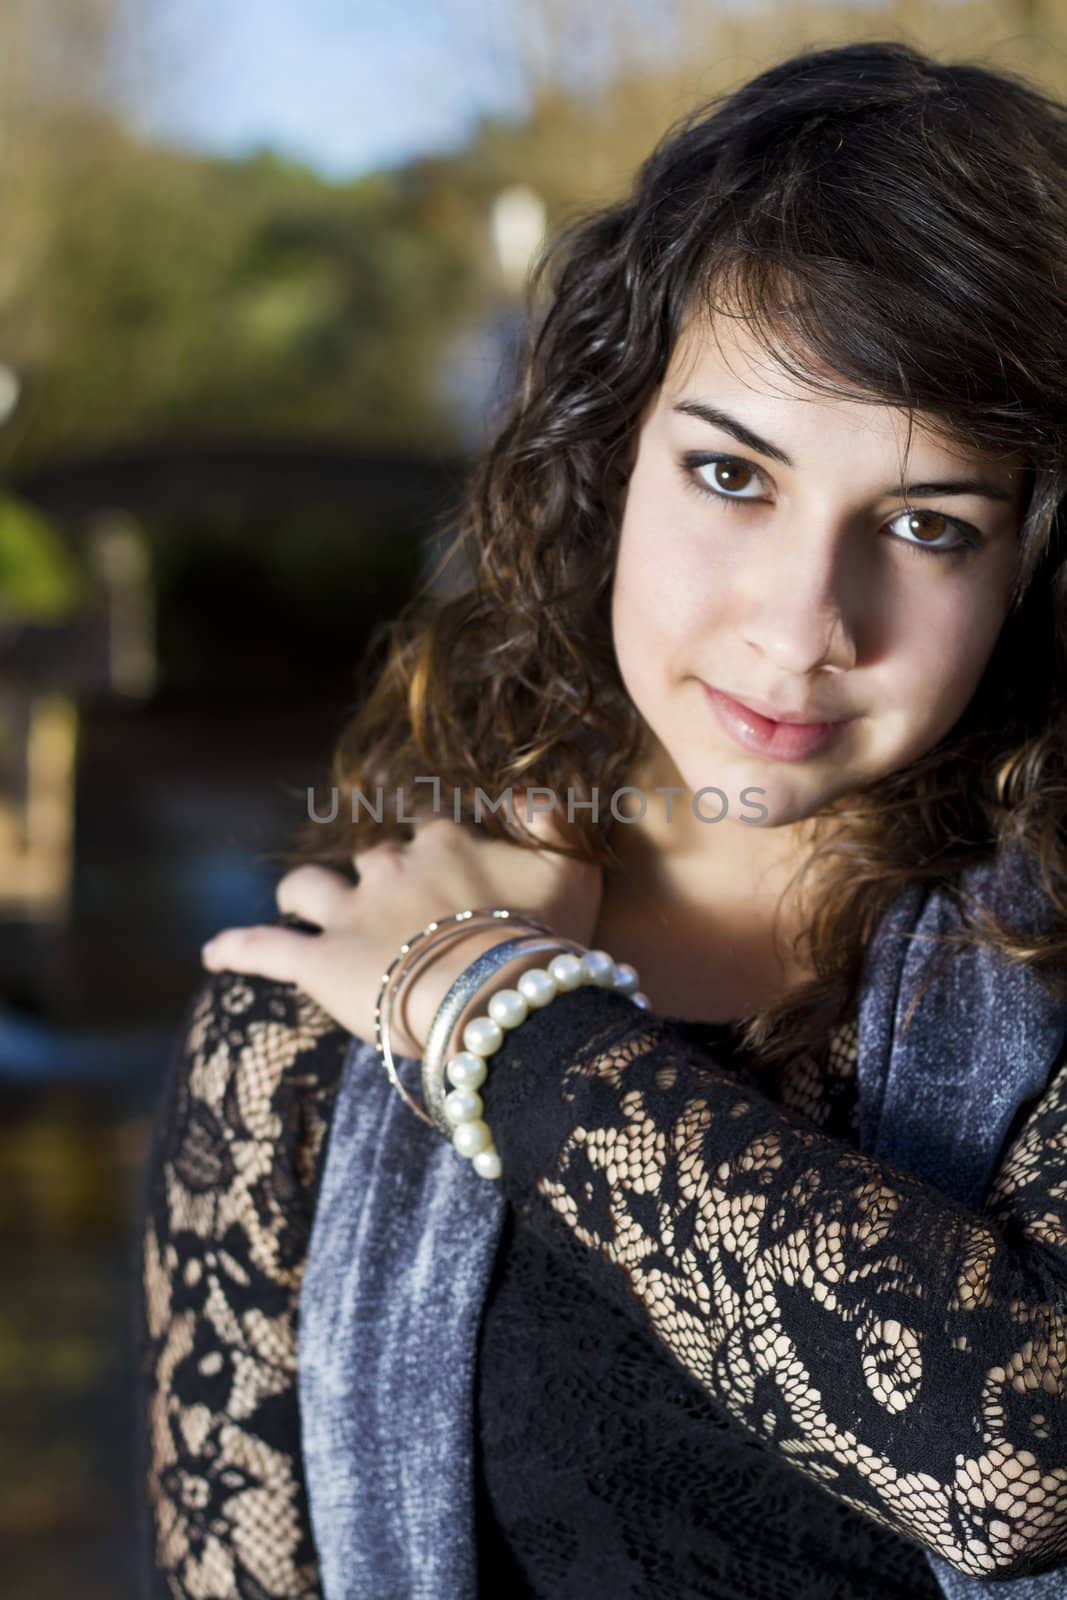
(906,1353)
(902,1352)
(607,1472)
(228,1205)
(229,1200)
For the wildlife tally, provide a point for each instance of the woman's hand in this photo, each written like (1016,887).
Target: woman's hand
(447,867)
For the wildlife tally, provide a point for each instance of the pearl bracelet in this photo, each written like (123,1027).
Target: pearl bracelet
(484,1035)
(431,939)
(472,982)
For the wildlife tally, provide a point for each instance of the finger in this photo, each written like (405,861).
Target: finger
(380,860)
(276,953)
(315,894)
(545,823)
(439,832)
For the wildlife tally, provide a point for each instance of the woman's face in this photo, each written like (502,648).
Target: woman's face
(771,553)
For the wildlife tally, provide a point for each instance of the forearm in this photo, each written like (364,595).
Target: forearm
(226,1196)
(879,1335)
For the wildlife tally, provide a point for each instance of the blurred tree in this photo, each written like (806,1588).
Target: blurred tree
(40,578)
(195,295)
(148,291)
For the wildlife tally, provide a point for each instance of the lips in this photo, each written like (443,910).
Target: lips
(763,708)
(775,737)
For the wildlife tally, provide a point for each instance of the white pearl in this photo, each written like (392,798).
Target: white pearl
(487,1163)
(537,987)
(463,1105)
(466,1070)
(483,1036)
(626,977)
(471,1137)
(599,968)
(566,970)
(508,1008)
(641,1000)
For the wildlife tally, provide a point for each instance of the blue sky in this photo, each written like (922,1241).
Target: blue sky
(348,85)
(344,84)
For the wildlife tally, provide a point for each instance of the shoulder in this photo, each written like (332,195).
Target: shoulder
(1010,881)
(252,1034)
(249,1095)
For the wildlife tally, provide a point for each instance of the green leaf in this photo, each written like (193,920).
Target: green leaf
(40,577)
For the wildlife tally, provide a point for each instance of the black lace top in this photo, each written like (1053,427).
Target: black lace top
(606,1470)
(723,1353)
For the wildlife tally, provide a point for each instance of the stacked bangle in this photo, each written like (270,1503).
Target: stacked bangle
(404,965)
(457,1111)
(462,1107)
(455,1003)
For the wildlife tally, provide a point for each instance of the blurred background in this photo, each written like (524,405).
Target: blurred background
(260,285)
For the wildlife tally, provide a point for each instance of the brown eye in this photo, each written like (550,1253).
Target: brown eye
(725,478)
(927,525)
(927,531)
(731,475)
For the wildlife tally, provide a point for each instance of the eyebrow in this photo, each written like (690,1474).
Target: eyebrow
(737,430)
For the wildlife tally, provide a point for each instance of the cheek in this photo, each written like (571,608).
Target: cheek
(939,652)
(664,617)
(670,584)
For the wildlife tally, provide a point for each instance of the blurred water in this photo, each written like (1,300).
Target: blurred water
(66,1491)
(177,817)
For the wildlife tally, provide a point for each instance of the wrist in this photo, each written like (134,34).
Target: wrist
(450,1084)
(506,978)
(421,997)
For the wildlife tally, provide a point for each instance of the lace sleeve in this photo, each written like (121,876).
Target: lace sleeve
(904,1351)
(228,1198)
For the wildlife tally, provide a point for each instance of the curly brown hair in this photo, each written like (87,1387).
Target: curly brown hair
(894,229)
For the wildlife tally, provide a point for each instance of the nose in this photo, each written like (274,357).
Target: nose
(795,611)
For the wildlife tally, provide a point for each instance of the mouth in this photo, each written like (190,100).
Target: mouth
(784,736)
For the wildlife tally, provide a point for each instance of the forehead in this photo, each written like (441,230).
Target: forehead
(723,361)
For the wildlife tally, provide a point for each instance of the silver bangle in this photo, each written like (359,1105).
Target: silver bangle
(483,1036)
(456,1001)
(403,964)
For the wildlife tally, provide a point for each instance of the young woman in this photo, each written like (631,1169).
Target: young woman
(755,1280)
